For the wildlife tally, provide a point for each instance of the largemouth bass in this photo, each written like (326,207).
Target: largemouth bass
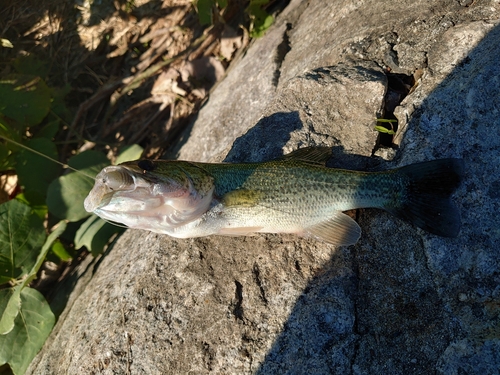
(296,193)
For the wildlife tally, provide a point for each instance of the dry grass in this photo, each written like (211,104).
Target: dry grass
(136,70)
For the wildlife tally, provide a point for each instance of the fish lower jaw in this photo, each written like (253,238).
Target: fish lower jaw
(154,223)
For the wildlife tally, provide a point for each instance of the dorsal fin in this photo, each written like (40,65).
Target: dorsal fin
(315,155)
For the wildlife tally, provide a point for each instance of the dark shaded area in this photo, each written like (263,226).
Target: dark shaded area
(283,48)
(238,308)
(395,311)
(250,146)
(318,343)
(399,86)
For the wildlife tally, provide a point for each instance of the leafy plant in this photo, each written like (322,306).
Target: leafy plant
(259,19)
(31,114)
(205,9)
(384,129)
(25,316)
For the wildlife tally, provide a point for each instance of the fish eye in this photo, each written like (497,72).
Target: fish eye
(146,165)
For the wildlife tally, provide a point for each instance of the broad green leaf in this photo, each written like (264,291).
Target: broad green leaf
(258,2)
(10,130)
(261,20)
(222,3)
(204,8)
(61,226)
(94,234)
(89,160)
(129,153)
(4,156)
(49,130)
(29,64)
(58,108)
(24,98)
(40,210)
(10,303)
(66,194)
(32,326)
(10,298)
(36,172)
(22,234)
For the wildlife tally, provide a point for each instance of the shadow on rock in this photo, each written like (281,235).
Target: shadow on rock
(404,309)
(266,139)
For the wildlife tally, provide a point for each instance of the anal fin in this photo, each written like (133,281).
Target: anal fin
(338,230)
(241,231)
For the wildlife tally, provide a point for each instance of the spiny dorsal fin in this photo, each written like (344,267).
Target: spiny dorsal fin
(314,155)
(338,230)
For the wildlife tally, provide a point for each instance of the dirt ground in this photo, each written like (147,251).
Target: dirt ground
(132,71)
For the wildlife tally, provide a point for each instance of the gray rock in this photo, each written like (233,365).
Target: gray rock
(332,106)
(401,301)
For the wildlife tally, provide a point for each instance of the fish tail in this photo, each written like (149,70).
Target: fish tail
(427,199)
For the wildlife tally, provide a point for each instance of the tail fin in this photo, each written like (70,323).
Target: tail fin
(427,202)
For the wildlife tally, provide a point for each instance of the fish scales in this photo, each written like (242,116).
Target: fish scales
(300,187)
(293,194)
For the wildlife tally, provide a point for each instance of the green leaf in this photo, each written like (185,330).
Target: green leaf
(49,130)
(60,251)
(25,99)
(40,210)
(21,235)
(5,163)
(10,131)
(66,194)
(10,304)
(261,20)
(10,298)
(204,8)
(94,234)
(36,172)
(29,64)
(129,153)
(31,328)
(382,129)
(258,2)
(58,107)
(61,226)
(90,161)
(222,3)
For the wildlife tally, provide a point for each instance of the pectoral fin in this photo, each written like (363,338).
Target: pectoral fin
(339,230)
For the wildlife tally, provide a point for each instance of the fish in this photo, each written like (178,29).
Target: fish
(296,193)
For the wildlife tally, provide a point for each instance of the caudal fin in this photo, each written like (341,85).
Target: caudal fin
(428,203)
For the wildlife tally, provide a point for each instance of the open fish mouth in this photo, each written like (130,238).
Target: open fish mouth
(125,194)
(113,184)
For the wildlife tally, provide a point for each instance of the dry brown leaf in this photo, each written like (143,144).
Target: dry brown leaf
(230,42)
(8,184)
(207,70)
